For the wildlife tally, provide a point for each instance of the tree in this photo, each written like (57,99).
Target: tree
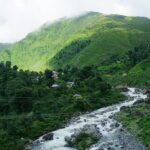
(23,100)
(49,77)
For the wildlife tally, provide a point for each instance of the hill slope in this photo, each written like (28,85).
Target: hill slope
(80,41)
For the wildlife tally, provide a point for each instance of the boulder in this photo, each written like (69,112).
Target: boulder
(115,125)
(88,129)
(110,148)
(48,136)
(147,92)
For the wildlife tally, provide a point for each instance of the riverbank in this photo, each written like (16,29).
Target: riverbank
(110,129)
(137,121)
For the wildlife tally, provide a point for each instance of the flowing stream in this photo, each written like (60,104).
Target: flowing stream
(114,137)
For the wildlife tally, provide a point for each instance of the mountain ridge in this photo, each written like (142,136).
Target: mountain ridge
(109,34)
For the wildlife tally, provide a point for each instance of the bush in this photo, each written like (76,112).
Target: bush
(83,141)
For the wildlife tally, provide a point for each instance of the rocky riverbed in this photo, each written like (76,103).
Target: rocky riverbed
(100,123)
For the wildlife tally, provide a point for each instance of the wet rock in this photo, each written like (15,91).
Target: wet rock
(91,115)
(147,92)
(110,148)
(124,108)
(67,139)
(115,125)
(88,129)
(111,117)
(79,121)
(48,136)
(103,123)
(121,130)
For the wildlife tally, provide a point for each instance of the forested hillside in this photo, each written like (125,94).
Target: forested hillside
(32,104)
(93,37)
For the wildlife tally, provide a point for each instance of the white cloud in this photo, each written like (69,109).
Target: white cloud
(19,17)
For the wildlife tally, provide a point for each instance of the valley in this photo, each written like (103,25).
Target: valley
(112,135)
(76,69)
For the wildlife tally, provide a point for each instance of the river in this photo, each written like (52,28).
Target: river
(114,137)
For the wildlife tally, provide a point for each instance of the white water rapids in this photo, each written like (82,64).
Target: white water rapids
(113,137)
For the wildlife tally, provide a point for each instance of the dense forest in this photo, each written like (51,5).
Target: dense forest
(69,52)
(135,64)
(34,103)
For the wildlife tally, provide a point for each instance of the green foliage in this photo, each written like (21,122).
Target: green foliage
(61,59)
(108,35)
(83,141)
(132,69)
(138,54)
(30,106)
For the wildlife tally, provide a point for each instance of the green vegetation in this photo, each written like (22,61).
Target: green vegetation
(132,69)
(69,52)
(108,35)
(83,141)
(137,121)
(31,106)
(86,51)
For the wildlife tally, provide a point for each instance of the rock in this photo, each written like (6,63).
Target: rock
(67,139)
(122,88)
(121,130)
(111,116)
(84,120)
(124,108)
(139,101)
(91,115)
(48,136)
(147,92)
(22,138)
(88,129)
(103,123)
(115,125)
(110,148)
(138,90)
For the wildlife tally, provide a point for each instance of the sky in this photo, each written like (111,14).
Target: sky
(20,17)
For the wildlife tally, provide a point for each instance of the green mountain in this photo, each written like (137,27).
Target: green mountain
(140,74)
(80,41)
